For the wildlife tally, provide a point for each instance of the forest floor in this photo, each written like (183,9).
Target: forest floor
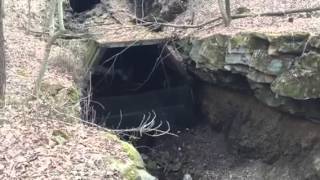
(35,141)
(112,20)
(200,11)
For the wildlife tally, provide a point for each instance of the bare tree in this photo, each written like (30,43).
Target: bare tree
(2,58)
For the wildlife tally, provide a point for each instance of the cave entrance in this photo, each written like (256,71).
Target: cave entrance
(82,5)
(130,83)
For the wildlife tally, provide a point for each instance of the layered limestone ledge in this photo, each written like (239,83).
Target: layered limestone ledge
(282,69)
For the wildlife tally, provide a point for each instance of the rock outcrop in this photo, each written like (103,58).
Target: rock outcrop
(260,89)
(281,69)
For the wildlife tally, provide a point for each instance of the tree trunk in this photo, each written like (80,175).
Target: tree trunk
(2,58)
(224,6)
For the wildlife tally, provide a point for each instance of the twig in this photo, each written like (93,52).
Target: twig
(148,127)
(280,13)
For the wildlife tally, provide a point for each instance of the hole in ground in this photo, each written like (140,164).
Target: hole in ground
(82,5)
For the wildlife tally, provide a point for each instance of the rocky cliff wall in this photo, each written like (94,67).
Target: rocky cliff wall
(262,91)
(282,70)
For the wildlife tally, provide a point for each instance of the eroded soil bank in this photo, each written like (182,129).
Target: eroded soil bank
(203,154)
(237,137)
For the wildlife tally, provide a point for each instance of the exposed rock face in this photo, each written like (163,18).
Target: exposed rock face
(302,81)
(252,83)
(289,144)
(282,69)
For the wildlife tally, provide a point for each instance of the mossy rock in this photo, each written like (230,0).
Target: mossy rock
(298,84)
(238,58)
(259,77)
(265,63)
(309,61)
(285,43)
(315,41)
(246,43)
(133,168)
(303,81)
(209,53)
(184,46)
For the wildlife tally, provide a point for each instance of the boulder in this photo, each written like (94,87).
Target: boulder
(302,81)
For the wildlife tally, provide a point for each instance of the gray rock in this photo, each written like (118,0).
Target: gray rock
(269,59)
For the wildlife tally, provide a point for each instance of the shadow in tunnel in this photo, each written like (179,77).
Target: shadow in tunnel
(129,83)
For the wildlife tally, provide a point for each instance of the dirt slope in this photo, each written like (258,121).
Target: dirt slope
(36,143)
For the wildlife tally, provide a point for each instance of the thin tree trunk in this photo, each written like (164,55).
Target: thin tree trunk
(57,5)
(44,63)
(224,7)
(228,9)
(2,59)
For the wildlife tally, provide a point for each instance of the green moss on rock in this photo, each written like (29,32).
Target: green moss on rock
(310,61)
(209,53)
(246,43)
(133,168)
(315,41)
(133,154)
(288,43)
(265,63)
(298,84)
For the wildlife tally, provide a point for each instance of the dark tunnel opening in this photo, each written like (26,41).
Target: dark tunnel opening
(82,5)
(140,83)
